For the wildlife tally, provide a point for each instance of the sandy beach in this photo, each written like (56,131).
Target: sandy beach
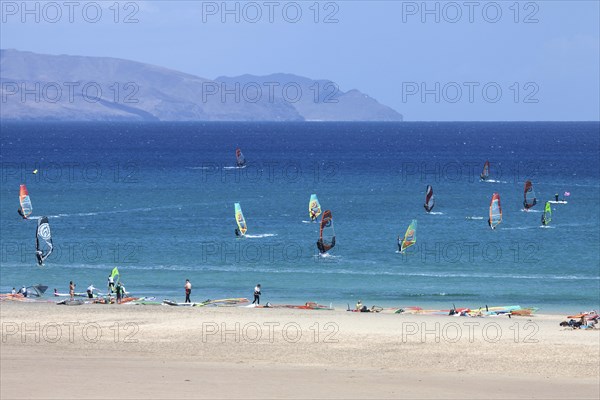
(174,352)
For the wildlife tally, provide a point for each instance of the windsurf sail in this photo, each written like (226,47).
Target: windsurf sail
(314,208)
(36,290)
(495,211)
(529,199)
(43,241)
(547,215)
(116,277)
(429,201)
(326,233)
(239,218)
(26,208)
(486,171)
(239,157)
(410,237)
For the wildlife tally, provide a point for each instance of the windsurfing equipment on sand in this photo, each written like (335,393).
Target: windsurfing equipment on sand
(314,208)
(68,302)
(43,241)
(429,201)
(326,233)
(410,237)
(26,209)
(36,290)
(547,215)
(529,199)
(241,221)
(486,171)
(240,161)
(495,211)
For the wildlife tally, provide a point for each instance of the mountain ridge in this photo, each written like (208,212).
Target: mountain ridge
(81,88)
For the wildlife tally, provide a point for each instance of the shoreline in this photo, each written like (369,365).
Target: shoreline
(563,310)
(200,351)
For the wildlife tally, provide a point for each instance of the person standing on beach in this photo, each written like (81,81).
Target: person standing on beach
(14,291)
(188,290)
(257,294)
(71,290)
(90,291)
(119,292)
(111,284)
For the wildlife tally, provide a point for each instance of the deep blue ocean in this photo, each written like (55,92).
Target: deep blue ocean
(157,200)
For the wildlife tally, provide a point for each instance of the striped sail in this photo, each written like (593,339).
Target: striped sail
(429,200)
(495,211)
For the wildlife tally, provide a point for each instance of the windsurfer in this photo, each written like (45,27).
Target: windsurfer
(188,290)
(237,232)
(39,256)
(21,213)
(556,197)
(257,294)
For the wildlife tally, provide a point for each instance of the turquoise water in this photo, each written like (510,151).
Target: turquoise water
(156,200)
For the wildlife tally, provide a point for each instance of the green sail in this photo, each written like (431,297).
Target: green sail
(547,215)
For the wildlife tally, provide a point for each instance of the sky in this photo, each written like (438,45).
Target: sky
(431,61)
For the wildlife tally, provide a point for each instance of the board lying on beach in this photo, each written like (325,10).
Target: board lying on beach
(306,306)
(68,302)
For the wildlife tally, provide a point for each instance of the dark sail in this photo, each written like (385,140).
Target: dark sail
(43,241)
(326,233)
(429,201)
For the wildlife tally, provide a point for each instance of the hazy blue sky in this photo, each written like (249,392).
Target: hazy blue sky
(545,50)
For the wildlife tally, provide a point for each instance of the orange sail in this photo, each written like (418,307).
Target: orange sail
(26,208)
